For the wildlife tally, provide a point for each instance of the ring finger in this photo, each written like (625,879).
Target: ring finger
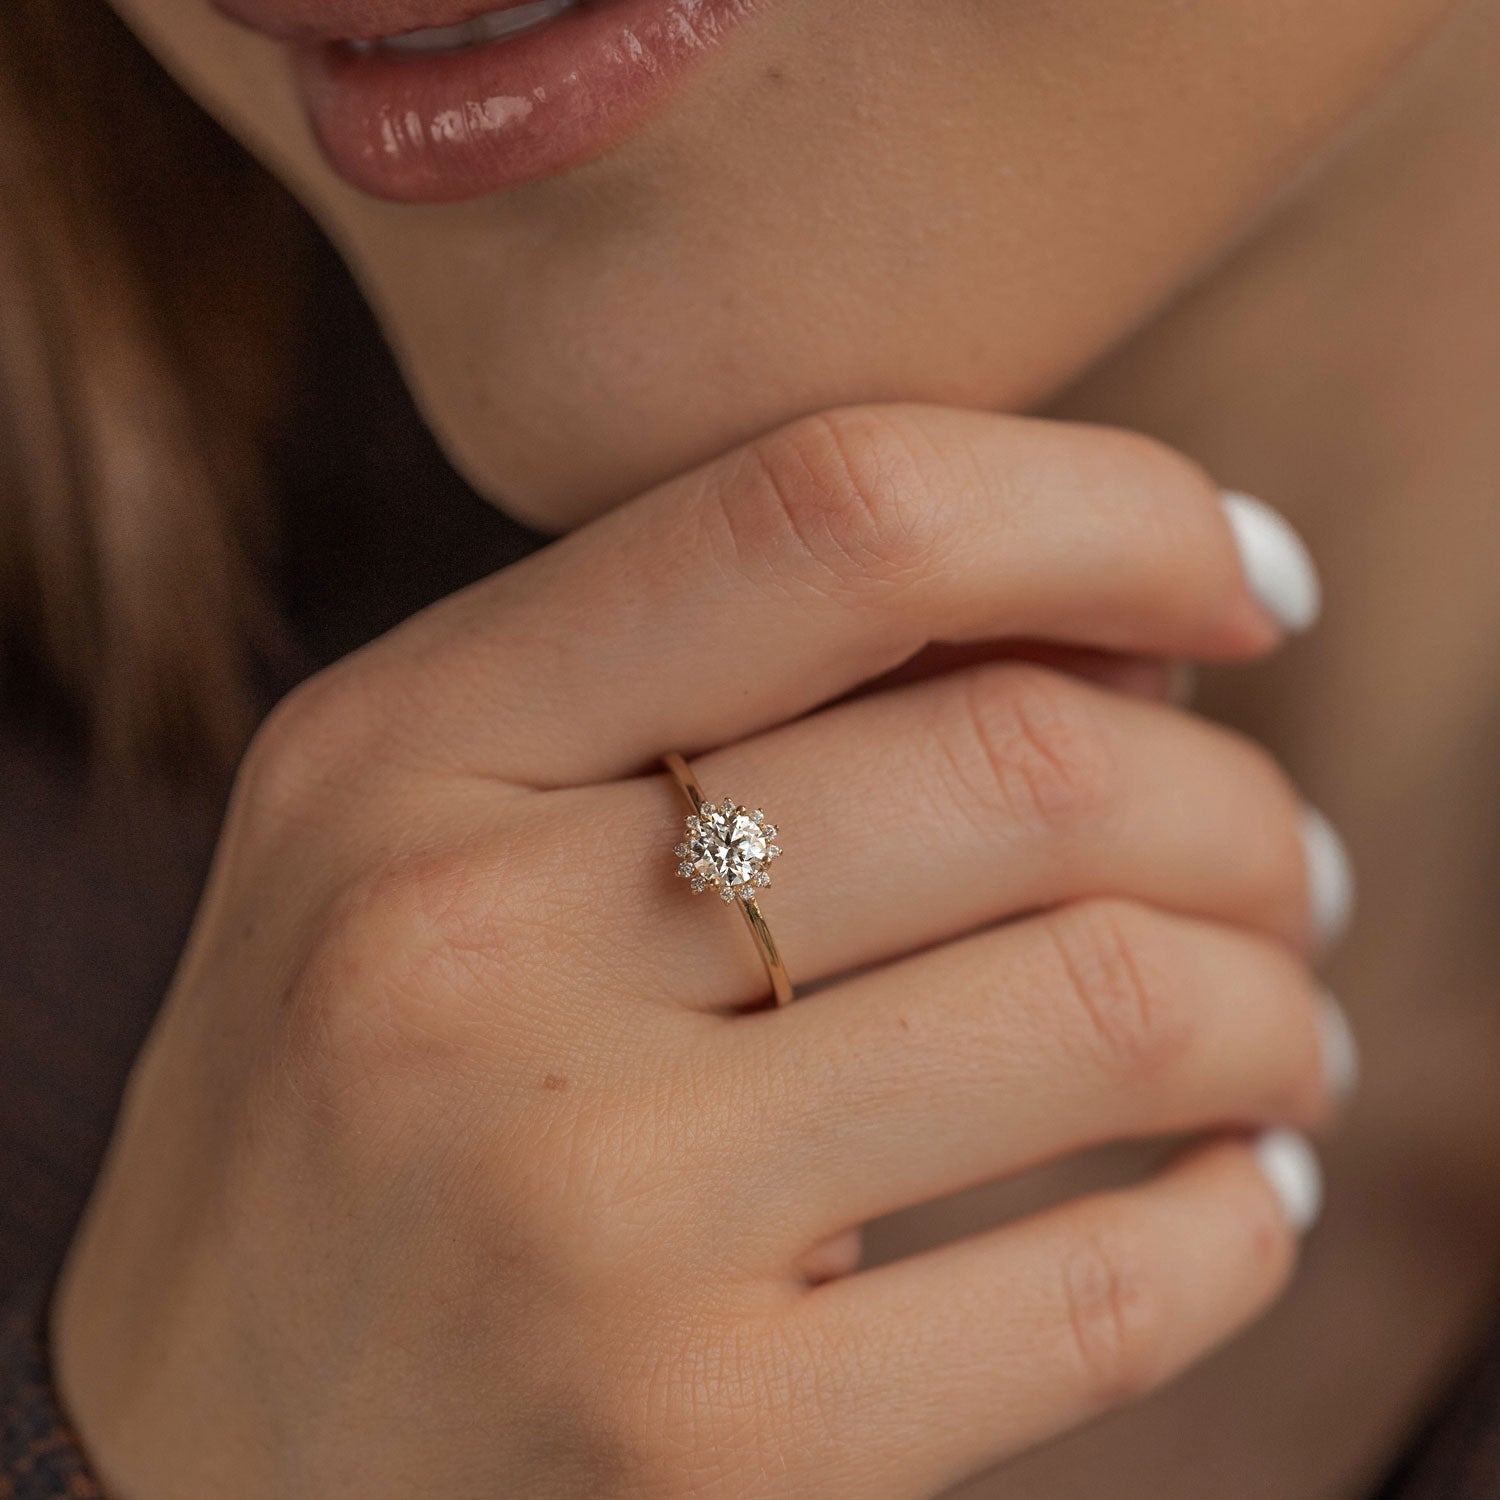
(917,814)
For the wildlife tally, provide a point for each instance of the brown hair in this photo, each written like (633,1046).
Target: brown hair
(148,276)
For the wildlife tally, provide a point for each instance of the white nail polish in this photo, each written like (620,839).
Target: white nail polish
(1340,1050)
(1277,564)
(1330,877)
(1290,1165)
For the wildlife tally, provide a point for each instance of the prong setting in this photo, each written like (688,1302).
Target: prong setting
(726,850)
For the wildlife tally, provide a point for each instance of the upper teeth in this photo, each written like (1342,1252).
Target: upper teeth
(487,28)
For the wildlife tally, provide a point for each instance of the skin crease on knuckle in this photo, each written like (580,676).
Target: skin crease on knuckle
(1115,1316)
(846,500)
(696,287)
(1137,1027)
(1031,747)
(1142,1025)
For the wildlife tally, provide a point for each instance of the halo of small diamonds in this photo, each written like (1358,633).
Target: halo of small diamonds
(727,849)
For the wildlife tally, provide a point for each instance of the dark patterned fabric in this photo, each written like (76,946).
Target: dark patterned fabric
(40,1458)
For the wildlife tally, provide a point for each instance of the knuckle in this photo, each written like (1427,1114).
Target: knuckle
(355,997)
(714,1392)
(1116,967)
(1032,747)
(844,499)
(302,746)
(1114,1317)
(419,987)
(386,969)
(686,1412)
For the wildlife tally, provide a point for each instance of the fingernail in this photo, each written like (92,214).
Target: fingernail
(1340,1050)
(1277,564)
(1330,878)
(1290,1165)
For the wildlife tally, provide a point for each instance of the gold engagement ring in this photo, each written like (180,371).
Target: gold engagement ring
(728,848)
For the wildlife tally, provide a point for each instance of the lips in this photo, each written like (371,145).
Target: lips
(410,101)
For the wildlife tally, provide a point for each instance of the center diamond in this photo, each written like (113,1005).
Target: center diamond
(727,848)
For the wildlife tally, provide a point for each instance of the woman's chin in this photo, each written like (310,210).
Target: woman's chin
(574,439)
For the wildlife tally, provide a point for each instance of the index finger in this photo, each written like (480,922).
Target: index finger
(783,575)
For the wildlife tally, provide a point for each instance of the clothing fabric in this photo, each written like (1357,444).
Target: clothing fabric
(40,1455)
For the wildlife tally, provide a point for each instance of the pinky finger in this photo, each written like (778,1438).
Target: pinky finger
(933,1368)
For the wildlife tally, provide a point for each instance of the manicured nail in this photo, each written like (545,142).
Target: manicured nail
(1330,878)
(1340,1050)
(1276,561)
(1290,1165)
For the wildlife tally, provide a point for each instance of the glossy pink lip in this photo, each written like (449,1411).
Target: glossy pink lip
(441,127)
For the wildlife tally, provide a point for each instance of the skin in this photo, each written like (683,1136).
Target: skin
(1034,189)
(436,1164)
(1132,172)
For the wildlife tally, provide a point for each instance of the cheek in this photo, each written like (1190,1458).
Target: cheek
(963,201)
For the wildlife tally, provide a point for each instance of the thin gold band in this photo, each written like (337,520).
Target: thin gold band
(765,944)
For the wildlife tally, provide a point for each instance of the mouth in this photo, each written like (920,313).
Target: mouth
(437,101)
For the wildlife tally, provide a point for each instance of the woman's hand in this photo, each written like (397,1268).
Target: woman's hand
(456,1166)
